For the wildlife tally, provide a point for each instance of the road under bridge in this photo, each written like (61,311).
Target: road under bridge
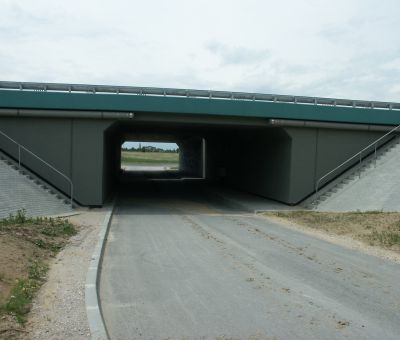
(270,145)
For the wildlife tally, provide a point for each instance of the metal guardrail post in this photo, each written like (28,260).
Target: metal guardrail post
(174,92)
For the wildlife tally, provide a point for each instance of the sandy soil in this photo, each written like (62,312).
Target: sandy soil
(14,255)
(58,310)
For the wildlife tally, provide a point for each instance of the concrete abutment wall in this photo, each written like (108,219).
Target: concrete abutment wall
(281,163)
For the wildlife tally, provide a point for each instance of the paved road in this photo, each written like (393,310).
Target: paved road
(148,167)
(177,268)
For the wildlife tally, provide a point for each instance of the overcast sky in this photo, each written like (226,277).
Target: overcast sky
(341,48)
(165,146)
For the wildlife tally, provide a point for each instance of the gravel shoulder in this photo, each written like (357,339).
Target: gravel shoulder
(58,311)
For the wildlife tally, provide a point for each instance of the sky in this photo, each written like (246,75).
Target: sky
(165,146)
(341,48)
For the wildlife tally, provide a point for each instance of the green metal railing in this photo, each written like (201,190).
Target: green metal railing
(193,93)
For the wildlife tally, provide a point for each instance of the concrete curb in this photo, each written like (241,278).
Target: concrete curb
(97,327)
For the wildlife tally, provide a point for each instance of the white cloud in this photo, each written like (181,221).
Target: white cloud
(306,47)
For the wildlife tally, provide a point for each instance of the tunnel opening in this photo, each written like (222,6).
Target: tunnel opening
(234,154)
(149,157)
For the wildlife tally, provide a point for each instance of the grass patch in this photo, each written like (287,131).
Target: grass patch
(44,232)
(375,228)
(19,302)
(27,245)
(137,157)
(386,238)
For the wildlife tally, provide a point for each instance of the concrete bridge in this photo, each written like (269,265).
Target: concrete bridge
(272,145)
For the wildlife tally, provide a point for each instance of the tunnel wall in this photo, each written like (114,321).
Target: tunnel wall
(190,156)
(73,146)
(258,162)
(317,151)
(112,159)
(282,163)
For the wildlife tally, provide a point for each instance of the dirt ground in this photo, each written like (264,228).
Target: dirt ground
(14,255)
(58,307)
(376,233)
(27,247)
(14,263)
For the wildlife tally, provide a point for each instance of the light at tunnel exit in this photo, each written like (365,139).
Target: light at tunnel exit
(146,156)
(164,146)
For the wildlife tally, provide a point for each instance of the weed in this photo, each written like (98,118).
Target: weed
(58,227)
(21,297)
(40,243)
(48,226)
(18,218)
(38,270)
(386,238)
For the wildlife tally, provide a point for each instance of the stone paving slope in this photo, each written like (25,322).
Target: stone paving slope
(19,192)
(377,189)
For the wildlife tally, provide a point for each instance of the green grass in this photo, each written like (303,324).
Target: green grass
(48,226)
(136,157)
(24,290)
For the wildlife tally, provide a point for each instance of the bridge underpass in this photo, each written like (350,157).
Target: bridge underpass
(174,261)
(273,146)
(279,163)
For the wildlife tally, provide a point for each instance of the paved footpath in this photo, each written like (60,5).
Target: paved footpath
(178,268)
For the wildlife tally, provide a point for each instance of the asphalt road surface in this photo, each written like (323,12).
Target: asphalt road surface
(182,268)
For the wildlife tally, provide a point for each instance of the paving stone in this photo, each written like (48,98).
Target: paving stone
(18,192)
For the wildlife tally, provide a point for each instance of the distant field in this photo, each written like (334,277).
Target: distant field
(136,157)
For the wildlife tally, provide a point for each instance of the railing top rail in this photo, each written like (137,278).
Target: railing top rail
(8,137)
(69,180)
(354,156)
(46,163)
(209,94)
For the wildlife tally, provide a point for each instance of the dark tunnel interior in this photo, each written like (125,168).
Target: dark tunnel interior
(242,157)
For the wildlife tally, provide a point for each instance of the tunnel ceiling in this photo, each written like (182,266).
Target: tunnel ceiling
(174,132)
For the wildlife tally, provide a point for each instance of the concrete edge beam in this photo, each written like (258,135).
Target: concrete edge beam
(8,112)
(65,114)
(328,125)
(97,327)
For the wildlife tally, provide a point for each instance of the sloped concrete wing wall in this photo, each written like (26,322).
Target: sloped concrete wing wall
(73,146)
